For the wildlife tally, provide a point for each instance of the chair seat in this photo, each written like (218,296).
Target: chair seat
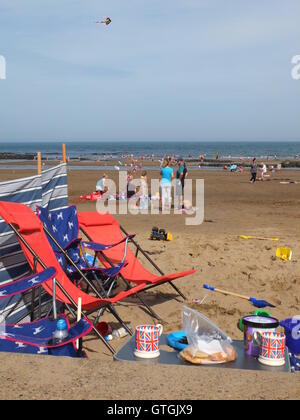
(36,337)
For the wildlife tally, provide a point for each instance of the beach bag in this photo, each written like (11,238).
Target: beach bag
(207,343)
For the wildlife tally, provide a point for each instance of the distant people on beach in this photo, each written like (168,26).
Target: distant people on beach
(143,192)
(253,171)
(167,175)
(131,190)
(101,186)
(180,181)
(263,172)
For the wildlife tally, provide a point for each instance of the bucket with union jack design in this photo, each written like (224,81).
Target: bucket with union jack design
(272,348)
(147,341)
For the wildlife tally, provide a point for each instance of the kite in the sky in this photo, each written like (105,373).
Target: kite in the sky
(106,22)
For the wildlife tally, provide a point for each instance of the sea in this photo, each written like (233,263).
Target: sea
(86,150)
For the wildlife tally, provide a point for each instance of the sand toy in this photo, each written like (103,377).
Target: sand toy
(178,340)
(160,235)
(257,303)
(257,312)
(292,331)
(284,254)
(261,238)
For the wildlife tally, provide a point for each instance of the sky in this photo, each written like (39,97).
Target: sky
(163,70)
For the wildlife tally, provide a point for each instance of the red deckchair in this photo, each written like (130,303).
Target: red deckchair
(105,229)
(39,254)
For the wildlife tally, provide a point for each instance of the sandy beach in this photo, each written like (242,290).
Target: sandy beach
(233,207)
(99,103)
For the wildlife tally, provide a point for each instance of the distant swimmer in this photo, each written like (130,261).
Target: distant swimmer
(106,22)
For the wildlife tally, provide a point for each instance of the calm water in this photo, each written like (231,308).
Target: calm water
(95,150)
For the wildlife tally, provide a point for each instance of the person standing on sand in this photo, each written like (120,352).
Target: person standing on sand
(131,190)
(166,185)
(263,171)
(253,171)
(180,177)
(143,192)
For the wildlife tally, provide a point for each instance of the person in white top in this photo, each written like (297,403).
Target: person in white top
(143,192)
(263,171)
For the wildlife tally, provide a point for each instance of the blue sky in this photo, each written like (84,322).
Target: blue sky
(163,70)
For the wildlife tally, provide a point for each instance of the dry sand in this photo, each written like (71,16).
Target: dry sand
(232,207)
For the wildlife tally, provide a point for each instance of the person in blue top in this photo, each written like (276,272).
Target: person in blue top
(101,185)
(167,176)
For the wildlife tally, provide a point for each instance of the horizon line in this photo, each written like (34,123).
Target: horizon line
(148,141)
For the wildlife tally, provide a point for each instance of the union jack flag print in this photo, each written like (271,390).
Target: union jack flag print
(147,338)
(273,346)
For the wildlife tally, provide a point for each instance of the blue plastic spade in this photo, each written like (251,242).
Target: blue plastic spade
(256,302)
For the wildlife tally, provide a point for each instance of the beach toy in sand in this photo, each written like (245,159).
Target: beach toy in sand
(254,324)
(160,235)
(258,237)
(292,331)
(178,340)
(104,329)
(284,254)
(295,362)
(165,236)
(257,312)
(256,302)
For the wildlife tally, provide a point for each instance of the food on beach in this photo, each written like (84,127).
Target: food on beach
(201,358)
(208,344)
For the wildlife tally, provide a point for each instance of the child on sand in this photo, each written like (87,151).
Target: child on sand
(101,187)
(263,172)
(143,192)
(130,185)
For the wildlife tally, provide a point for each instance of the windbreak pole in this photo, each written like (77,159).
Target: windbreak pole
(64,153)
(39,163)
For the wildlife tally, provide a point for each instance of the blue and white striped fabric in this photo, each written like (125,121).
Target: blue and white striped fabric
(49,190)
(55,188)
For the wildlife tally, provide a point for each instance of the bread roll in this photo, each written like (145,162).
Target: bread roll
(200,358)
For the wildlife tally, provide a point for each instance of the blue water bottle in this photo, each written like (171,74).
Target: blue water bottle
(61,333)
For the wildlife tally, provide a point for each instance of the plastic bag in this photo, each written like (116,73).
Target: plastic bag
(208,344)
